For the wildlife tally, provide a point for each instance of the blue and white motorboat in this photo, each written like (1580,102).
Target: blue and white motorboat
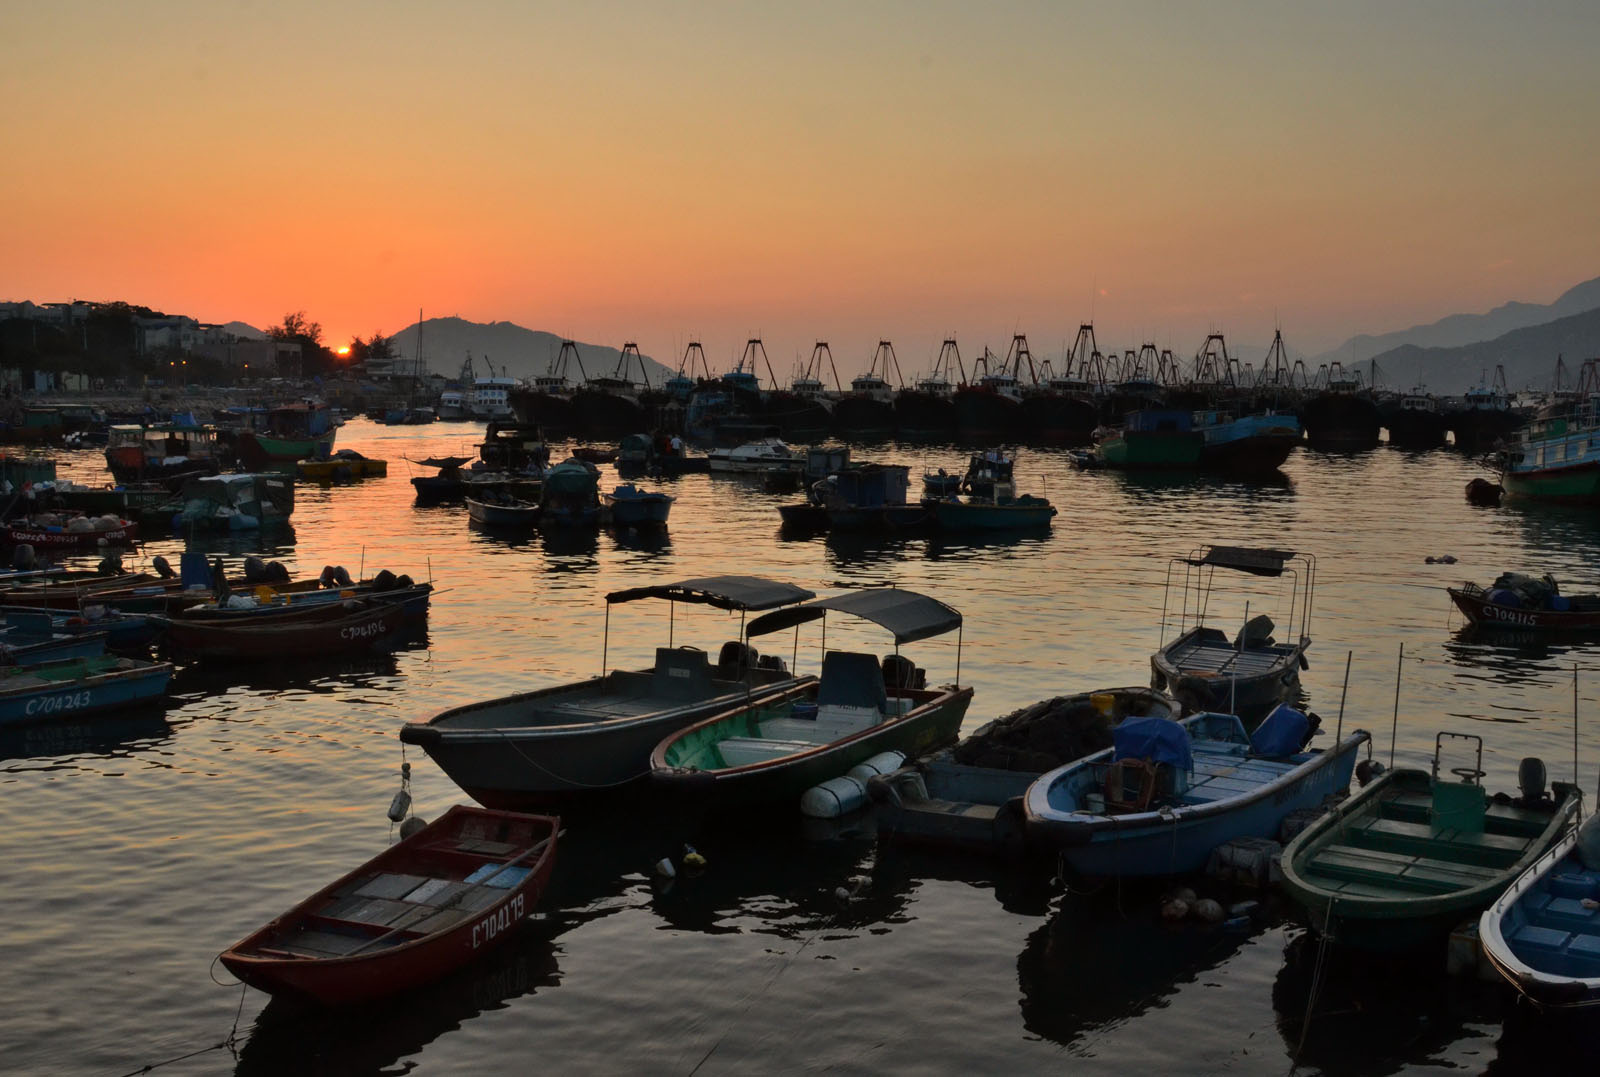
(633,507)
(1167,793)
(1543,934)
(78,686)
(1246,443)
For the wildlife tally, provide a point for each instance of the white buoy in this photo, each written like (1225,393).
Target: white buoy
(833,798)
(882,763)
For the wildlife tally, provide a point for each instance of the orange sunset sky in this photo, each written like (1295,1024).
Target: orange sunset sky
(847,171)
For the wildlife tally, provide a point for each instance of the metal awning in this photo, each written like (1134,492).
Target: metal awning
(723,592)
(908,615)
(1257,562)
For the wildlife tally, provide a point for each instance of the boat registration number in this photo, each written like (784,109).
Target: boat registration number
(497,921)
(376,628)
(52,704)
(1515,617)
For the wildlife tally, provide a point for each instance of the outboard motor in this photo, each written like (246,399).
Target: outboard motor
(900,672)
(384,581)
(219,583)
(111,565)
(1368,771)
(1531,777)
(23,557)
(255,570)
(735,660)
(772,662)
(162,566)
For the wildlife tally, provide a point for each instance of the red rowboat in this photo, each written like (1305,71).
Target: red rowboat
(353,626)
(1582,616)
(126,533)
(420,909)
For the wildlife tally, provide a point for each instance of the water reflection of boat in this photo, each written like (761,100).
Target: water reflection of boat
(1376,1014)
(291,1037)
(1088,967)
(109,734)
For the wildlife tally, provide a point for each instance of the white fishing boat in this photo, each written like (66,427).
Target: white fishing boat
(768,456)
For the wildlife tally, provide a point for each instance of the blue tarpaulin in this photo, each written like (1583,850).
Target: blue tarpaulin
(1282,733)
(1160,740)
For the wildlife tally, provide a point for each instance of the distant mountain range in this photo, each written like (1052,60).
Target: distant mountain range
(1460,329)
(509,348)
(1529,356)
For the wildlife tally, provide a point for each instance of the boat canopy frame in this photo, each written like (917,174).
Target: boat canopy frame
(743,594)
(909,616)
(1199,568)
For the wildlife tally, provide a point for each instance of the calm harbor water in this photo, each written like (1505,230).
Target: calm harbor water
(135,850)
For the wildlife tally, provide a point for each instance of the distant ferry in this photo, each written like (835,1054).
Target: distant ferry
(489,398)
(453,405)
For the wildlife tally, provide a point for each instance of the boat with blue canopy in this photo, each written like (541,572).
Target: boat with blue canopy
(594,736)
(1167,793)
(775,749)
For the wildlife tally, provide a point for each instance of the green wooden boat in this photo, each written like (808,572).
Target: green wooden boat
(777,749)
(1406,860)
(1154,439)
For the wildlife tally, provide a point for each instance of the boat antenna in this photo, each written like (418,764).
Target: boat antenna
(1575,781)
(1338,733)
(1395,727)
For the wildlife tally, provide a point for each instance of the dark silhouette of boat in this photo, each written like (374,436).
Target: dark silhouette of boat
(547,402)
(1341,413)
(866,412)
(609,405)
(804,411)
(927,411)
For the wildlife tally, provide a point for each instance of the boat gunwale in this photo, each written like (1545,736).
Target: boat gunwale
(533,732)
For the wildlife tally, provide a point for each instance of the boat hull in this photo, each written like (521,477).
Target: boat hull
(640,512)
(1152,450)
(1483,613)
(964,516)
(101,686)
(1574,485)
(1179,841)
(1059,418)
(924,416)
(863,418)
(596,753)
(366,974)
(1380,911)
(263,450)
(1547,965)
(315,634)
(60,539)
(923,729)
(985,416)
(491,515)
